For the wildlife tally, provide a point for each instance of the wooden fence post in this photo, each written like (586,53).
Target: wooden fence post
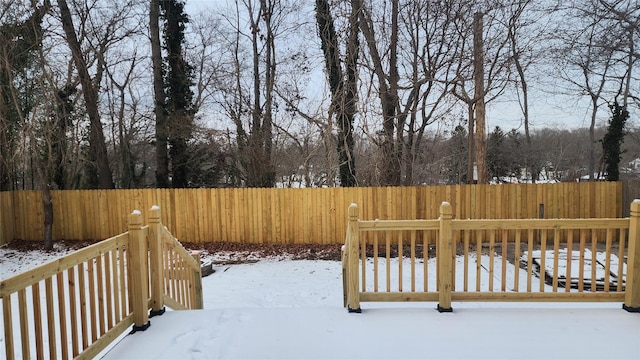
(155,262)
(353,242)
(138,270)
(445,252)
(632,287)
(197,278)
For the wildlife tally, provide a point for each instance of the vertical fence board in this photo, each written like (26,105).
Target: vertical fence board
(7,218)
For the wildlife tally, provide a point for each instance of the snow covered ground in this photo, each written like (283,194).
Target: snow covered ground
(282,309)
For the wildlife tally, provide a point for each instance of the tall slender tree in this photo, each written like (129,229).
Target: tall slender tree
(179,96)
(99,171)
(612,141)
(480,137)
(342,86)
(162,156)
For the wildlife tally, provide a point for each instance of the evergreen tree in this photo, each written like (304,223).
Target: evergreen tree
(179,96)
(612,141)
(458,156)
(496,162)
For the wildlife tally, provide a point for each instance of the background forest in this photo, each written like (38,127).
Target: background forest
(264,93)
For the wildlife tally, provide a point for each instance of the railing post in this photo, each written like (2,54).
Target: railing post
(444,262)
(155,262)
(632,287)
(353,242)
(343,257)
(138,269)
(197,278)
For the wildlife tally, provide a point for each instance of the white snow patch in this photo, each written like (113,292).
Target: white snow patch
(282,309)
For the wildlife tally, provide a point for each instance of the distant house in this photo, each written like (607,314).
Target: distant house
(634,165)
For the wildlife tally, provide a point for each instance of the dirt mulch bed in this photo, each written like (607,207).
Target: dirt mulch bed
(238,252)
(23,245)
(292,251)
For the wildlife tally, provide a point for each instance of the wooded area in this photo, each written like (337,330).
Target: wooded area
(265,93)
(293,216)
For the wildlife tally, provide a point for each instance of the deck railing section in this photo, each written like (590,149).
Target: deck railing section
(492,260)
(75,306)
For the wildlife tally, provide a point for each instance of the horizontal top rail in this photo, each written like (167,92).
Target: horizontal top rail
(384,225)
(495,224)
(44,271)
(540,224)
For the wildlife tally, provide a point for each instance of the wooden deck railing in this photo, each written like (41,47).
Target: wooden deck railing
(552,260)
(75,306)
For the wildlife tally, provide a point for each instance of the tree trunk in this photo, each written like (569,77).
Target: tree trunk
(5,123)
(471,152)
(162,157)
(266,137)
(342,91)
(345,135)
(5,179)
(480,111)
(179,95)
(62,120)
(388,91)
(98,146)
(47,205)
(592,139)
(524,105)
(256,152)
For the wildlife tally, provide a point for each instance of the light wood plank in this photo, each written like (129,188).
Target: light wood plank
(8,327)
(24,324)
(37,319)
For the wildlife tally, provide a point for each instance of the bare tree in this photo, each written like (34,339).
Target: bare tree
(486,69)
(162,156)
(248,92)
(98,148)
(411,49)
(342,84)
(622,19)
(597,56)
(431,43)
(480,136)
(520,55)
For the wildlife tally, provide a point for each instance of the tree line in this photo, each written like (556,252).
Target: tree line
(264,93)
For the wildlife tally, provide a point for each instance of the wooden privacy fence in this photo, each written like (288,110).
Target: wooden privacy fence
(75,306)
(287,216)
(450,259)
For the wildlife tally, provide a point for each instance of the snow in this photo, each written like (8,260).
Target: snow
(284,309)
(293,310)
(600,266)
(13,262)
